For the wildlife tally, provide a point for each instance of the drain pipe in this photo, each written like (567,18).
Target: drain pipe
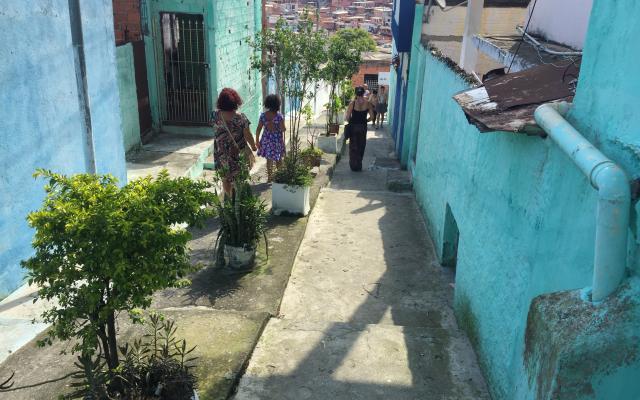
(614,198)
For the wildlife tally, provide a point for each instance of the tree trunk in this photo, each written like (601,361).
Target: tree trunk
(112,341)
(105,344)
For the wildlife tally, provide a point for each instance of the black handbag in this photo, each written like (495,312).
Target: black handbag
(347,131)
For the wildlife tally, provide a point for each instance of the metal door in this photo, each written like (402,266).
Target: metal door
(185,69)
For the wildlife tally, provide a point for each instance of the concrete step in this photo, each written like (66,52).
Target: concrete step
(335,360)
(180,155)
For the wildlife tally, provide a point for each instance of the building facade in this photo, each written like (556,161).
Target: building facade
(517,219)
(60,110)
(194,49)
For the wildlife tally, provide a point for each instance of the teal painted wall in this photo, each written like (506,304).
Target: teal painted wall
(128,97)
(40,115)
(606,103)
(526,219)
(526,214)
(228,24)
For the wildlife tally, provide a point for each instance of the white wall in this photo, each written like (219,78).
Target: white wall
(562,21)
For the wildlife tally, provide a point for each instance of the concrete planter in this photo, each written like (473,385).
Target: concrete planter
(332,144)
(238,257)
(290,199)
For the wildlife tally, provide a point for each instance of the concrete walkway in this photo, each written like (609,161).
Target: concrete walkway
(367,312)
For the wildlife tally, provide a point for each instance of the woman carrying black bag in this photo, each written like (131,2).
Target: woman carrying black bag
(359,113)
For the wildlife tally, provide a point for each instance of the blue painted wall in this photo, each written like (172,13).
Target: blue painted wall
(401,23)
(526,215)
(40,117)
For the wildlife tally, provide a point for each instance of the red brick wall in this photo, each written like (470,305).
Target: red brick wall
(126,20)
(369,68)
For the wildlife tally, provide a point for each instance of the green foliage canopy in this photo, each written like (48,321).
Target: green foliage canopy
(101,249)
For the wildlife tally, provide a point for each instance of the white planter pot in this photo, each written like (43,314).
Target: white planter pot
(238,257)
(332,144)
(289,198)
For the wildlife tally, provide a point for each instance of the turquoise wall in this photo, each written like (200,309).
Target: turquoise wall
(40,116)
(606,106)
(228,24)
(128,97)
(526,215)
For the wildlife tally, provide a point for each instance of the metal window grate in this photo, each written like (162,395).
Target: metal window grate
(185,69)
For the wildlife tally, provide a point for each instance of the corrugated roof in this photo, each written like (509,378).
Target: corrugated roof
(507,103)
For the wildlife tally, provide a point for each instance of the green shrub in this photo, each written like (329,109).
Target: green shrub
(101,249)
(293,172)
(243,215)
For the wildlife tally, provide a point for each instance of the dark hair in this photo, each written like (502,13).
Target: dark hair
(359,91)
(229,100)
(272,103)
(375,91)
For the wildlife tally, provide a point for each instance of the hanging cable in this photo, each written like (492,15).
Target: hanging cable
(534,42)
(523,35)
(447,9)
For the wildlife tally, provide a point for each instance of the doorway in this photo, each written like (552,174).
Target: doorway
(450,240)
(371,80)
(186,88)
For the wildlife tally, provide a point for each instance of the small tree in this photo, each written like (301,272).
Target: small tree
(344,58)
(101,249)
(295,58)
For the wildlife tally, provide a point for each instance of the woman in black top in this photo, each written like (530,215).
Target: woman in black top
(359,113)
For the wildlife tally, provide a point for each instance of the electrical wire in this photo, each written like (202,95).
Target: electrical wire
(447,9)
(530,39)
(523,35)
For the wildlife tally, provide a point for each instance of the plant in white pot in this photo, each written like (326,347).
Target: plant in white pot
(290,191)
(243,220)
(294,60)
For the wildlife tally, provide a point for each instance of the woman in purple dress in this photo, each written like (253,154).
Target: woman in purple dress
(271,145)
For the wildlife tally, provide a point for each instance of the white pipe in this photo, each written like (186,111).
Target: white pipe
(614,197)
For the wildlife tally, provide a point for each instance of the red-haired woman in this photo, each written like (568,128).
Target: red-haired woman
(232,136)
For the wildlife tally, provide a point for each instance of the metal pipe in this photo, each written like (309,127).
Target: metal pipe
(428,10)
(614,197)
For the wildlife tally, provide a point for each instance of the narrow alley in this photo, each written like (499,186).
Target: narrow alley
(367,312)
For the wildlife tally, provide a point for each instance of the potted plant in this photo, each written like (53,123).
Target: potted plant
(334,107)
(290,191)
(102,249)
(344,57)
(312,155)
(243,219)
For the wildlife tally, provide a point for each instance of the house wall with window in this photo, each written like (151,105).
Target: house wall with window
(48,118)
(227,55)
(564,22)
(525,222)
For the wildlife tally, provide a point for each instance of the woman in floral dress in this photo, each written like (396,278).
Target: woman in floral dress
(232,136)
(271,145)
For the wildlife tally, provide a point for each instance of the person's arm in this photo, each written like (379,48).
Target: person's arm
(347,115)
(258,131)
(249,138)
(283,129)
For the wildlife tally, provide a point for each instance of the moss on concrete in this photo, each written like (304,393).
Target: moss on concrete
(570,342)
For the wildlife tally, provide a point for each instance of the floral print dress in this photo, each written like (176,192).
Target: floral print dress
(272,141)
(226,155)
